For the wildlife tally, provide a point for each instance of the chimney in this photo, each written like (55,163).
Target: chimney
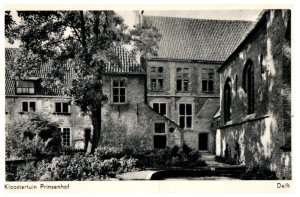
(138,17)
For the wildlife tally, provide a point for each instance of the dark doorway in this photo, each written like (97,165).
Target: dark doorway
(203,141)
(87,137)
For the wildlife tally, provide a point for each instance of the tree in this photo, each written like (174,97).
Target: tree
(84,40)
(32,136)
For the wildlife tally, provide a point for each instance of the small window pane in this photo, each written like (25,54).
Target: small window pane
(156,107)
(115,99)
(122,91)
(30,84)
(65,107)
(31,90)
(19,90)
(115,83)
(25,90)
(122,83)
(185,85)
(204,85)
(160,83)
(189,122)
(181,122)
(210,86)
(122,99)
(153,84)
(182,109)
(179,85)
(188,109)
(32,106)
(178,69)
(211,75)
(25,107)
(160,69)
(159,128)
(58,107)
(116,91)
(163,109)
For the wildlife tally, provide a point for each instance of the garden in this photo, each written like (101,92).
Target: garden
(34,153)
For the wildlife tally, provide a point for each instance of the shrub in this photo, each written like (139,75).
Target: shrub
(229,160)
(259,173)
(31,137)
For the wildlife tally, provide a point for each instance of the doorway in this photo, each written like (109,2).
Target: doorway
(203,141)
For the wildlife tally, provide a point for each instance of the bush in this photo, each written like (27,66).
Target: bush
(230,161)
(104,164)
(32,137)
(259,173)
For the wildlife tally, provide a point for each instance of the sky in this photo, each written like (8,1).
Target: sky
(129,16)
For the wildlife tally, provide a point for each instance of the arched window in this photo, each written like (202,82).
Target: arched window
(248,85)
(227,100)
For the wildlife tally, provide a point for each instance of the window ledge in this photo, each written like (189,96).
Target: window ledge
(25,112)
(209,92)
(157,90)
(62,113)
(119,103)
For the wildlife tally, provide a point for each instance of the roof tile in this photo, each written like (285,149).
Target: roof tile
(197,39)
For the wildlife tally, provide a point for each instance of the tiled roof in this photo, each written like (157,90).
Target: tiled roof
(127,65)
(197,39)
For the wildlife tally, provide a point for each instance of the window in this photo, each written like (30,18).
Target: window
(160,69)
(182,82)
(185,116)
(119,90)
(157,84)
(182,85)
(62,107)
(227,100)
(160,139)
(25,87)
(160,108)
(207,80)
(28,106)
(157,78)
(248,85)
(66,136)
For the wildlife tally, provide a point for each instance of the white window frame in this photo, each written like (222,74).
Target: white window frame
(28,102)
(61,105)
(167,106)
(112,90)
(28,87)
(61,130)
(178,109)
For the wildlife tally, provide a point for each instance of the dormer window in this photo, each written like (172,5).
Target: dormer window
(25,87)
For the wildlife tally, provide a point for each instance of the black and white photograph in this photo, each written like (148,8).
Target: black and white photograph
(142,95)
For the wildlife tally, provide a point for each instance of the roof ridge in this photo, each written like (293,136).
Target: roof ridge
(198,19)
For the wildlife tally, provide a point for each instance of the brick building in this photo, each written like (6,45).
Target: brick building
(255,101)
(183,83)
(126,118)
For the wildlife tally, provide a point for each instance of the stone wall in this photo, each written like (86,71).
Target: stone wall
(204,104)
(129,124)
(264,134)
(44,104)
